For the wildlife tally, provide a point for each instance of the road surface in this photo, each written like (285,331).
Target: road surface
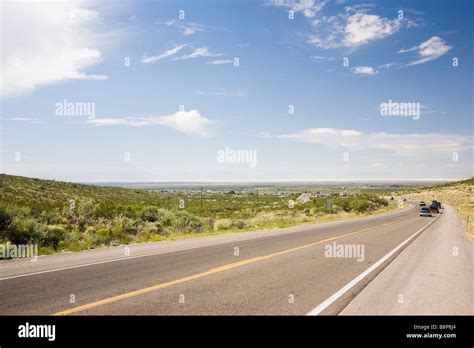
(278,271)
(434,275)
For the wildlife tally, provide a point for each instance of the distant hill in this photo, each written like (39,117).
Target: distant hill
(31,192)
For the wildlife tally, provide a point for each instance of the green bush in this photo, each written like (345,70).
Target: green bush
(223,224)
(186,222)
(5,219)
(360,205)
(51,236)
(103,236)
(149,213)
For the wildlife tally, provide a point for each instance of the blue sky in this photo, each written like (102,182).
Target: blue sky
(182,99)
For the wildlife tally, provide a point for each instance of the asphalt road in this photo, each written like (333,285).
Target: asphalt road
(434,275)
(279,271)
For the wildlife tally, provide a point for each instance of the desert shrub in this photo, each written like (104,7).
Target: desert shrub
(24,231)
(123,228)
(186,222)
(345,205)
(51,217)
(82,215)
(75,236)
(360,205)
(103,236)
(61,245)
(149,213)
(165,217)
(223,224)
(207,223)
(51,236)
(5,220)
(239,224)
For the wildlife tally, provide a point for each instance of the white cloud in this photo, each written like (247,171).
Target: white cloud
(352,30)
(309,8)
(221,61)
(189,122)
(407,145)
(198,53)
(47,42)
(364,70)
(362,28)
(166,54)
(428,50)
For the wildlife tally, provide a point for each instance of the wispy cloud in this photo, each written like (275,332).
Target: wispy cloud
(188,122)
(188,28)
(364,70)
(164,55)
(363,8)
(388,65)
(22,119)
(198,53)
(407,145)
(322,58)
(428,50)
(221,61)
(309,8)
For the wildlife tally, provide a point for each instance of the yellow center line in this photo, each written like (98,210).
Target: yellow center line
(210,272)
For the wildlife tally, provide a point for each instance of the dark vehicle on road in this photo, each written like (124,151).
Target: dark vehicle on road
(422,204)
(435,206)
(425,211)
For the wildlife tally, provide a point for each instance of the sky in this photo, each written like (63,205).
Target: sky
(237,90)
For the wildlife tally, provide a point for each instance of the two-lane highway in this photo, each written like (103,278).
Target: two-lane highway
(284,271)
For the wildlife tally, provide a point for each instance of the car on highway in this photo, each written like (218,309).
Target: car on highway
(422,204)
(425,211)
(435,207)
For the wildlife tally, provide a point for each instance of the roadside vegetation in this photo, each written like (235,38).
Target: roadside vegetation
(459,194)
(71,217)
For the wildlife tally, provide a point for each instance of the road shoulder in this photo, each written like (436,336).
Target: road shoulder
(433,275)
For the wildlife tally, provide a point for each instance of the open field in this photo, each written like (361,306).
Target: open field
(68,216)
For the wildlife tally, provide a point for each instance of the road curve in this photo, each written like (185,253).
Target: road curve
(280,271)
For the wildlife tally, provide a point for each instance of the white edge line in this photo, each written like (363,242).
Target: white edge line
(235,239)
(344,289)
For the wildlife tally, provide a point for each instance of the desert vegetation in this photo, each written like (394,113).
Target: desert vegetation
(71,217)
